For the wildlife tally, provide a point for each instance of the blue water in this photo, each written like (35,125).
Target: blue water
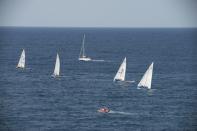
(31,99)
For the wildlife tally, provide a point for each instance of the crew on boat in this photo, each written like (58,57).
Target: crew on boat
(104,110)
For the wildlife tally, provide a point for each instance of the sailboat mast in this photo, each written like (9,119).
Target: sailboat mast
(82,55)
(83,49)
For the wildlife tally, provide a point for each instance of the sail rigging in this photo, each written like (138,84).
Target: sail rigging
(82,51)
(82,54)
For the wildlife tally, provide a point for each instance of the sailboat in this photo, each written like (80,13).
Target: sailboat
(82,55)
(21,62)
(120,75)
(147,78)
(57,67)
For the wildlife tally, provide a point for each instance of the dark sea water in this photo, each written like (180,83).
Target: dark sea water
(32,100)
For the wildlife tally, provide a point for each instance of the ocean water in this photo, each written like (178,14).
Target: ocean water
(32,100)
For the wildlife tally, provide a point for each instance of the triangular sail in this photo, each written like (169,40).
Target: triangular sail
(57,66)
(21,63)
(147,78)
(120,75)
(82,51)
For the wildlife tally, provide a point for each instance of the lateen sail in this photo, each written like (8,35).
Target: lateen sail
(120,75)
(57,66)
(147,78)
(21,63)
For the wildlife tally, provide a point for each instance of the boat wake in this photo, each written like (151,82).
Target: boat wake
(28,68)
(60,76)
(124,83)
(129,81)
(120,112)
(98,60)
(144,88)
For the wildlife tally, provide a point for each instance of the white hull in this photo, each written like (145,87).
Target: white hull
(85,59)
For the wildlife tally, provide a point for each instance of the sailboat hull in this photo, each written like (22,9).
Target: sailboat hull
(19,67)
(55,76)
(118,80)
(143,87)
(85,59)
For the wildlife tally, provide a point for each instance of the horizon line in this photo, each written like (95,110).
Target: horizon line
(123,27)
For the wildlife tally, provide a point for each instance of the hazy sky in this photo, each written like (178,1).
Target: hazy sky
(99,13)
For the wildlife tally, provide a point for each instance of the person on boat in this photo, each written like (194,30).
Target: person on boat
(104,110)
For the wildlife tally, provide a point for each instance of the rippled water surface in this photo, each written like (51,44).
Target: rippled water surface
(31,99)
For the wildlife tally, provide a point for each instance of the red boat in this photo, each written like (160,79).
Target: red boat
(104,110)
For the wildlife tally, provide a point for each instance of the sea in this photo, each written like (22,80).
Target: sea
(32,100)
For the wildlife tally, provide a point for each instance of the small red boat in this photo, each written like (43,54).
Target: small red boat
(104,110)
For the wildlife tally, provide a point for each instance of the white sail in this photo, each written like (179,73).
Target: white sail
(21,63)
(82,54)
(147,78)
(82,51)
(120,75)
(57,66)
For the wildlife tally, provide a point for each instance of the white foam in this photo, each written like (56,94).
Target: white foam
(120,112)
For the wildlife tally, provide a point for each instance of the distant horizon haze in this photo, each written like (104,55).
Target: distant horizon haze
(99,13)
